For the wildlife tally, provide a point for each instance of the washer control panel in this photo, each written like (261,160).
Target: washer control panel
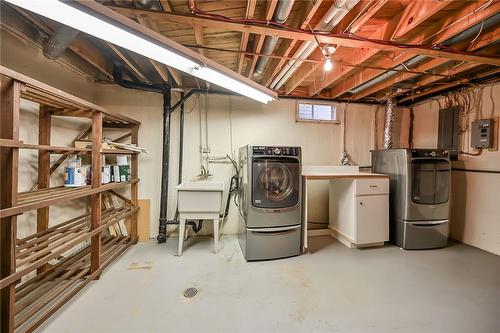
(269,150)
(429,153)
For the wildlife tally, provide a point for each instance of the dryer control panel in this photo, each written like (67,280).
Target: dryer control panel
(269,150)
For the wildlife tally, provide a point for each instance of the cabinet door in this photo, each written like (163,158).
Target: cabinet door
(372,219)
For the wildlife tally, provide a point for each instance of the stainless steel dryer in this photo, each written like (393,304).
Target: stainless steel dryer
(270,201)
(419,195)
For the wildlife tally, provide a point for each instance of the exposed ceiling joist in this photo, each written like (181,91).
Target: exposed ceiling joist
(121,54)
(395,26)
(306,36)
(200,40)
(176,75)
(428,33)
(190,61)
(306,70)
(371,9)
(250,11)
(416,13)
(311,10)
(259,40)
(428,65)
(445,86)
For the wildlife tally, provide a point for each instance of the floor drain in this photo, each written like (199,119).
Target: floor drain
(190,292)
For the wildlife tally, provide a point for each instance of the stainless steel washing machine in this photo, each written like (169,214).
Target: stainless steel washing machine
(269,201)
(418,196)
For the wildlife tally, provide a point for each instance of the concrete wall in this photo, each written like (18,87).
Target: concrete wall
(475,213)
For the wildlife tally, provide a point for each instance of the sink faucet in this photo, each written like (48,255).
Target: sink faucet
(204,172)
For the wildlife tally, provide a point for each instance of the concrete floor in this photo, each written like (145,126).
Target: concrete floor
(331,289)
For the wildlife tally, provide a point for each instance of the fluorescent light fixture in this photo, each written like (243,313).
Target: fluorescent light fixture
(222,80)
(77,19)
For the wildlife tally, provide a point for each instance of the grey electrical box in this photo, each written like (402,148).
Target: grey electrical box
(482,133)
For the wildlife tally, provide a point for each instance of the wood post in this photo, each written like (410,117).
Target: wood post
(44,126)
(9,158)
(134,191)
(96,199)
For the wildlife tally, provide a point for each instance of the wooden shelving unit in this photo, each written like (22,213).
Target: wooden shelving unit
(41,272)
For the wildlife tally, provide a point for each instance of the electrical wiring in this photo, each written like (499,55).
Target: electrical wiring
(477,10)
(348,28)
(248,21)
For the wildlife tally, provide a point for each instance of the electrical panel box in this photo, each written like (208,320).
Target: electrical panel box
(482,133)
(448,131)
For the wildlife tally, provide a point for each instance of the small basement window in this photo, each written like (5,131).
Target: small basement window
(317,112)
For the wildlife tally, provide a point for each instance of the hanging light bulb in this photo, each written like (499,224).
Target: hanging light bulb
(328,64)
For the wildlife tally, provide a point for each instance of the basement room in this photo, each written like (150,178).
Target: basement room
(259,166)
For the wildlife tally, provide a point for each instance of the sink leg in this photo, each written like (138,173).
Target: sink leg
(182,228)
(216,235)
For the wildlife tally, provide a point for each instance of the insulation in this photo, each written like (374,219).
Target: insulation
(389,123)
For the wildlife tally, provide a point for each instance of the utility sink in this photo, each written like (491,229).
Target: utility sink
(199,196)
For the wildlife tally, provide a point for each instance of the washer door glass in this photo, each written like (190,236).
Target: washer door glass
(431,181)
(276,182)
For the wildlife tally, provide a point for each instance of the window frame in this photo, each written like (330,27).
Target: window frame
(312,102)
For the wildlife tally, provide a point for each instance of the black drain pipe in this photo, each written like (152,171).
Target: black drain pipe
(166,91)
(181,146)
(162,232)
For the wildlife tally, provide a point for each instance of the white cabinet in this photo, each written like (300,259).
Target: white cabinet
(359,211)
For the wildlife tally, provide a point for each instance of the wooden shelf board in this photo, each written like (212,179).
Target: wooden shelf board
(56,195)
(59,250)
(52,149)
(62,103)
(119,151)
(35,305)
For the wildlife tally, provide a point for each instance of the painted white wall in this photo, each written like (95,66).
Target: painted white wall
(235,121)
(475,212)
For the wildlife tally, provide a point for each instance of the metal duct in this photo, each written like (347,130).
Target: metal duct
(281,13)
(331,18)
(146,4)
(389,123)
(59,42)
(468,33)
(387,75)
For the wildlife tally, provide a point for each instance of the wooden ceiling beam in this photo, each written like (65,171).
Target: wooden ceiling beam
(428,33)
(120,54)
(311,9)
(166,6)
(362,55)
(467,16)
(288,34)
(259,40)
(200,39)
(428,65)
(134,27)
(176,75)
(485,40)
(415,14)
(250,11)
(429,80)
(366,15)
(445,86)
(396,26)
